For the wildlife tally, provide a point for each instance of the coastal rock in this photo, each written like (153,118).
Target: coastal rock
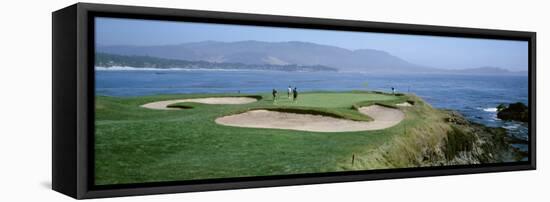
(516,111)
(456,118)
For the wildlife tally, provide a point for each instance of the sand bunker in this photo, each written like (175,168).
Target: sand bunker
(384,117)
(163,105)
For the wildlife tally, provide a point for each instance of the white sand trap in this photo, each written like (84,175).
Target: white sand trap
(163,105)
(404,104)
(384,117)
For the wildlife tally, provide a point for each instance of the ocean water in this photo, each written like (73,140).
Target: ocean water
(476,97)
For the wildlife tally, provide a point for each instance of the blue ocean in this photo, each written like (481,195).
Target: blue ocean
(474,96)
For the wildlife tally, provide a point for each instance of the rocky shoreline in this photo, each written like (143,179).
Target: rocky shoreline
(444,138)
(477,143)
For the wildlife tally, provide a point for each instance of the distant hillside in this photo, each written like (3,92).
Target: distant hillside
(275,53)
(113,60)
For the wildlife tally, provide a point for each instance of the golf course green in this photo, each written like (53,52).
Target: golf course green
(137,144)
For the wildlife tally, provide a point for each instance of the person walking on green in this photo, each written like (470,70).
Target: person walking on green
(295,94)
(274,92)
(289,91)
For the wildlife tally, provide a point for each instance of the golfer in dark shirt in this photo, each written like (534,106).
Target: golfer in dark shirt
(274,94)
(295,94)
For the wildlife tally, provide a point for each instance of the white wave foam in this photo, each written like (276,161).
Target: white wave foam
(511,127)
(491,109)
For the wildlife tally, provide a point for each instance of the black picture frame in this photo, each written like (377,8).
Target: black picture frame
(73,99)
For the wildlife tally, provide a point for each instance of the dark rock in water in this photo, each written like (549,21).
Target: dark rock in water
(516,111)
(500,107)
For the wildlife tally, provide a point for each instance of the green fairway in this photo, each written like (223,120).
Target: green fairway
(332,100)
(134,144)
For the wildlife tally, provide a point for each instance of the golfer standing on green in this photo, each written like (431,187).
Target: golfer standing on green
(295,94)
(274,95)
(289,91)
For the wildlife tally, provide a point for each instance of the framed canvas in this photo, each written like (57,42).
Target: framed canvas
(157,100)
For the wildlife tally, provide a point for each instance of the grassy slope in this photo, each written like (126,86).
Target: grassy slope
(135,144)
(421,135)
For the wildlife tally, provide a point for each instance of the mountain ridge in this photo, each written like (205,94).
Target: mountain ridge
(252,52)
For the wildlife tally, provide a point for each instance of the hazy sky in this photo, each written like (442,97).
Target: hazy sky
(439,52)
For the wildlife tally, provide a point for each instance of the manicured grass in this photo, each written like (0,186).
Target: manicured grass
(136,145)
(332,100)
